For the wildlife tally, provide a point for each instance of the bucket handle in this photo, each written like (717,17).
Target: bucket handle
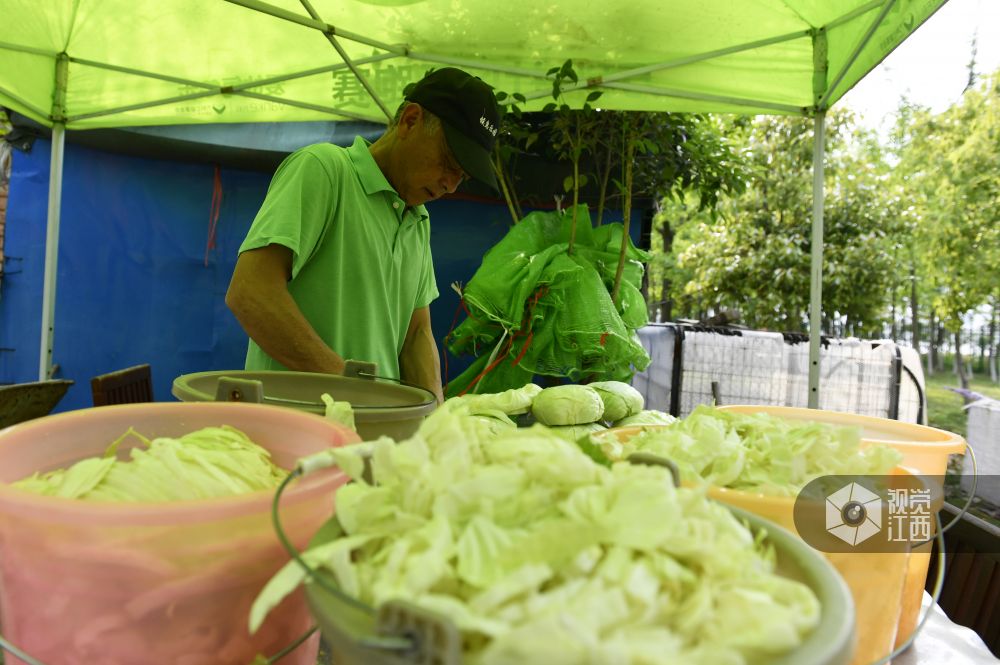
(232,389)
(935,596)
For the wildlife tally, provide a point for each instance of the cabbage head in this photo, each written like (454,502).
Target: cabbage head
(620,399)
(567,405)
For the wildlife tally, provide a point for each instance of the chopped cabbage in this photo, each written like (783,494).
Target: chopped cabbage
(512,402)
(649,417)
(339,412)
(210,462)
(577,432)
(758,452)
(540,555)
(568,405)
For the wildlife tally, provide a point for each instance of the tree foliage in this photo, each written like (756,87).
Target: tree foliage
(755,257)
(949,165)
(670,153)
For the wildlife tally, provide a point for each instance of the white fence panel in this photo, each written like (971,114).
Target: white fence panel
(983,436)
(758,367)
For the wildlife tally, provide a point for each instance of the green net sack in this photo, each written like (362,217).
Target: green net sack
(534,309)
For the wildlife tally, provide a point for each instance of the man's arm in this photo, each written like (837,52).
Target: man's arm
(258,296)
(419,362)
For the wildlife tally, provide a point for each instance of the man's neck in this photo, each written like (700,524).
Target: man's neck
(382,152)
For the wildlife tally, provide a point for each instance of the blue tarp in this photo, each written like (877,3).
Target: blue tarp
(132,282)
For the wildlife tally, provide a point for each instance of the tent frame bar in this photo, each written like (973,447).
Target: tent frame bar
(473,64)
(869,33)
(239,93)
(708,55)
(350,64)
(670,64)
(28,49)
(701,96)
(40,112)
(143,105)
(241,89)
(850,16)
(312,107)
(315,71)
(316,24)
(242,86)
(142,73)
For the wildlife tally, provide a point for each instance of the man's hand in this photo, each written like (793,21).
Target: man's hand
(419,362)
(258,296)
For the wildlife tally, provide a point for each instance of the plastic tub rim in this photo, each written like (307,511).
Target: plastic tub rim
(166,512)
(430,401)
(945,441)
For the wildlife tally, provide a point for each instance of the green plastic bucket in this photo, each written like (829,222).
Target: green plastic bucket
(381,407)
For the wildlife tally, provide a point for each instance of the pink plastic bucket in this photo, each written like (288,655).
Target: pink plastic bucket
(86,583)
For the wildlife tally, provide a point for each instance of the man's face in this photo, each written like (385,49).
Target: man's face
(429,168)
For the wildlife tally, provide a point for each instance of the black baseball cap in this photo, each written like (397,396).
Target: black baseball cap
(469,117)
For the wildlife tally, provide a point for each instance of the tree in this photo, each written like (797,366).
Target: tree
(754,257)
(950,163)
(673,152)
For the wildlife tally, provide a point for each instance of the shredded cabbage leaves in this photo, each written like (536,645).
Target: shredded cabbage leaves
(513,402)
(208,463)
(541,555)
(339,412)
(647,417)
(757,452)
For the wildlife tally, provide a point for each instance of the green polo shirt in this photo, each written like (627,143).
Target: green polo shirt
(361,258)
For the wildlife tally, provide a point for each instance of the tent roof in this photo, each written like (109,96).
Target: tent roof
(170,62)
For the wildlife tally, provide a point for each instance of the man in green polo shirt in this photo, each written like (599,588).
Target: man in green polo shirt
(337,264)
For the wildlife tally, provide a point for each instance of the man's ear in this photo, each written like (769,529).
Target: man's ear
(411,119)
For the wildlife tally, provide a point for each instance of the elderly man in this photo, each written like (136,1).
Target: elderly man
(337,264)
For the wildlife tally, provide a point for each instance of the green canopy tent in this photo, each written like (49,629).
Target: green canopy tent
(79,64)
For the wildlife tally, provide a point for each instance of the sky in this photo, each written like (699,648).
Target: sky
(931,67)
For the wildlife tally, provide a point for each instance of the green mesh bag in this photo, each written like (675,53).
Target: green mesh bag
(532,309)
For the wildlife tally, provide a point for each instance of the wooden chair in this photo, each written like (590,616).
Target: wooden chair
(24,401)
(126,386)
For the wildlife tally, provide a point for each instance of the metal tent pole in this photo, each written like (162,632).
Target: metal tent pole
(816,260)
(52,222)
